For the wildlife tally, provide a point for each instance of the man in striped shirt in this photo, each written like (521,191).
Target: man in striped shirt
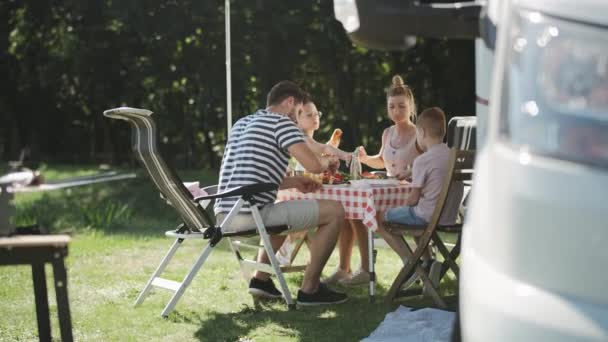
(258,150)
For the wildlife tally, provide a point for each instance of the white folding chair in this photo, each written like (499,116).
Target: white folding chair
(197,223)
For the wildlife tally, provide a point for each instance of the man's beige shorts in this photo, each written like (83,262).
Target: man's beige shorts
(296,214)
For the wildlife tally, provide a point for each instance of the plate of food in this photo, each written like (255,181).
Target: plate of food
(336,178)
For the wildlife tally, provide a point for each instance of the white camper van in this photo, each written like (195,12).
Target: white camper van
(535,242)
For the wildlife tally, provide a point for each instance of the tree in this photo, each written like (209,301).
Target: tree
(66,61)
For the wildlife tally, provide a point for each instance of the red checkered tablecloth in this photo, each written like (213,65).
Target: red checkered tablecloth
(359,203)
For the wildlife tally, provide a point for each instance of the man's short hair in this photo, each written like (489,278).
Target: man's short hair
(433,121)
(283,90)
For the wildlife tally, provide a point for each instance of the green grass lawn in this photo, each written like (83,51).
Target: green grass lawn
(118,241)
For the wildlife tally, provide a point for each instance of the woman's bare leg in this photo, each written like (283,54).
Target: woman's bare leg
(361,235)
(345,244)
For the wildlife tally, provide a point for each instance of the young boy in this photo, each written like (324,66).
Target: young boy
(428,172)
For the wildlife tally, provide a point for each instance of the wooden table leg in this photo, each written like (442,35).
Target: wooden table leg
(63,305)
(42,302)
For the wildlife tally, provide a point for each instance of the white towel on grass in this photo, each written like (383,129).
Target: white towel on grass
(424,325)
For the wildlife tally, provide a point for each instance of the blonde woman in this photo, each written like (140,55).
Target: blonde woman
(398,151)
(308,121)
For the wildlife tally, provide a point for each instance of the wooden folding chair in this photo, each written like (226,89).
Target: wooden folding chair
(197,223)
(460,169)
(462,135)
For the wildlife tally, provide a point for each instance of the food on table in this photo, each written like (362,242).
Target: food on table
(368,175)
(374,175)
(334,178)
(326,177)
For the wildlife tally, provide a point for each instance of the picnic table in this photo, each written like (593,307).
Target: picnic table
(361,202)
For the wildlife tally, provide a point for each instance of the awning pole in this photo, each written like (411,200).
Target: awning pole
(228,67)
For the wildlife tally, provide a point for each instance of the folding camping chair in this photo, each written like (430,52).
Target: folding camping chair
(462,132)
(460,169)
(197,223)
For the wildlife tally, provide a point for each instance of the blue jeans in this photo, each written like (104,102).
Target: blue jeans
(403,215)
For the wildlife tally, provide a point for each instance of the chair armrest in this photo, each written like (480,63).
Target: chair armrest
(241,191)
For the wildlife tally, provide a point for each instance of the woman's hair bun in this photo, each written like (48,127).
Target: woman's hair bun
(398,81)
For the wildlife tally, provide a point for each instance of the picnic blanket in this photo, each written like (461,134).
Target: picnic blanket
(424,325)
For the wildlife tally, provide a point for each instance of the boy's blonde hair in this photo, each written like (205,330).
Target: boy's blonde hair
(433,121)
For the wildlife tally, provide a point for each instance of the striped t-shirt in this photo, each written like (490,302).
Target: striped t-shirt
(256,152)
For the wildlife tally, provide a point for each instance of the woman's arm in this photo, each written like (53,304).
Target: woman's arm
(375,161)
(328,149)
(323,149)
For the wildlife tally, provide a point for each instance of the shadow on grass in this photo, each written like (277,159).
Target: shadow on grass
(351,321)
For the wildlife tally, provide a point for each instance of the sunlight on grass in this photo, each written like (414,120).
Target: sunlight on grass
(111,259)
(328,314)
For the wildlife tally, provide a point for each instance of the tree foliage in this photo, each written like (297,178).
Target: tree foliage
(65,61)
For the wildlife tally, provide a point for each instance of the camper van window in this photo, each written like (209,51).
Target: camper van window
(556,100)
